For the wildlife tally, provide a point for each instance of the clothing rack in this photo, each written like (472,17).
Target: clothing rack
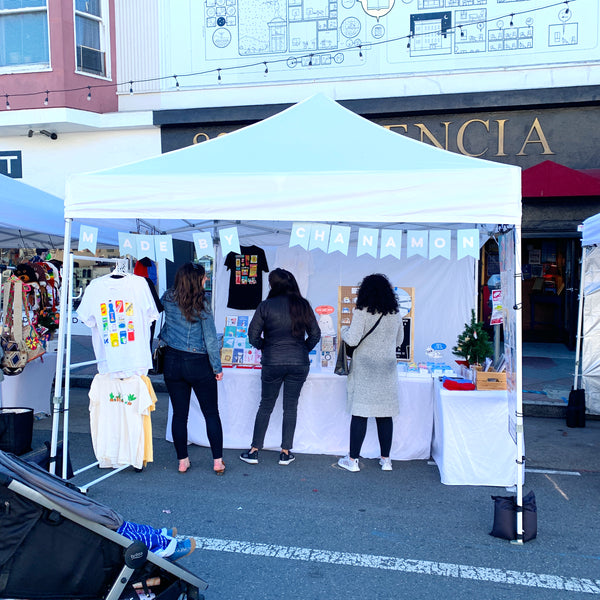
(61,404)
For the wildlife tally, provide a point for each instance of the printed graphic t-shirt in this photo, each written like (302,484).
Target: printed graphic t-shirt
(246,279)
(119,311)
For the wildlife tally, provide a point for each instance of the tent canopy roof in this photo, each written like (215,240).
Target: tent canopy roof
(315,161)
(551,180)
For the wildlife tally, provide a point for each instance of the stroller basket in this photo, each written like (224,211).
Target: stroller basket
(55,542)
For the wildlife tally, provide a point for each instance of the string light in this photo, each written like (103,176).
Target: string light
(284,60)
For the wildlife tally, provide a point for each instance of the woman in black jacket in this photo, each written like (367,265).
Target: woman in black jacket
(285,329)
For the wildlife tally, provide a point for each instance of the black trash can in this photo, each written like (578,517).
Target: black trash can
(16,430)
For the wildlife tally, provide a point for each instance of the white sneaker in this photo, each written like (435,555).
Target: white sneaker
(350,464)
(386,464)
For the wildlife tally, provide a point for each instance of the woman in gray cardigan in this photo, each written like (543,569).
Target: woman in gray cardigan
(373,379)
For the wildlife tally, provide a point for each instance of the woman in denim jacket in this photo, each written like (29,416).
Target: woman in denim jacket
(285,329)
(192,361)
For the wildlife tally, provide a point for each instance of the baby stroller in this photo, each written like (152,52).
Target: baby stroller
(55,542)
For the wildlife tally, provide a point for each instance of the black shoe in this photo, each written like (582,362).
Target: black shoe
(286,459)
(250,457)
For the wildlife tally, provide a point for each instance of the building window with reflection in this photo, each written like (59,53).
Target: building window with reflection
(90,37)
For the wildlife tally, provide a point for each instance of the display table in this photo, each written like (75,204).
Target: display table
(33,387)
(323,425)
(471,443)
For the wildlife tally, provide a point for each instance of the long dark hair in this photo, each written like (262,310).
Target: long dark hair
(376,295)
(283,283)
(188,290)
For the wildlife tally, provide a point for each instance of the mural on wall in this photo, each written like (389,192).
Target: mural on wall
(320,39)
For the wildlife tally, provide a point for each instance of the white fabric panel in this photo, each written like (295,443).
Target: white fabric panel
(444,291)
(323,425)
(315,161)
(590,350)
(591,231)
(471,442)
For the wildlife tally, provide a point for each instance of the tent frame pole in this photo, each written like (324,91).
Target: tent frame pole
(579,341)
(57,400)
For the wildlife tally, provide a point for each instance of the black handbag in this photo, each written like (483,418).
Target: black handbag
(345,352)
(158,360)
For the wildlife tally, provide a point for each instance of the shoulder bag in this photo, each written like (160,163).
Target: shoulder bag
(13,345)
(345,352)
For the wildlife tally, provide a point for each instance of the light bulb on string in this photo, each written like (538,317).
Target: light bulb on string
(462,33)
(7,103)
(360,54)
(567,9)
(219,74)
(511,19)
(89,96)
(46,99)
(131,88)
(176,82)
(266,68)
(310,60)
(408,43)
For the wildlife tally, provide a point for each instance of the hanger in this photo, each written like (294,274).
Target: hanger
(120,269)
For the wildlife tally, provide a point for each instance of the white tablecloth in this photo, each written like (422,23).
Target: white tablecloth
(33,387)
(471,442)
(323,425)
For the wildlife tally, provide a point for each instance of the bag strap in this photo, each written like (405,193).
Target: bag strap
(13,305)
(369,332)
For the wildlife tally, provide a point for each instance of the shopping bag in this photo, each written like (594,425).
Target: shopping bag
(342,363)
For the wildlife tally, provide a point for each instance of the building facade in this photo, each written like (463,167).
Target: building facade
(513,82)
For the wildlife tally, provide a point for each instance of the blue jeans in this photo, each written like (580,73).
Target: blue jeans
(184,372)
(272,377)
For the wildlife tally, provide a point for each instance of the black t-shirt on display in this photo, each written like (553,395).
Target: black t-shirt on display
(245,278)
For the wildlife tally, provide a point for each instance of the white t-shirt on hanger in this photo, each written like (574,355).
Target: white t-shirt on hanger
(120,310)
(116,425)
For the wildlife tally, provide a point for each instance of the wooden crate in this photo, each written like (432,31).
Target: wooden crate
(490,380)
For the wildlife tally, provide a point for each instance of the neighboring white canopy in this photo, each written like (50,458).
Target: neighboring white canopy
(29,217)
(315,161)
(591,231)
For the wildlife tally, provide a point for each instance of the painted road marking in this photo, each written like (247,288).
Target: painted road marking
(392,563)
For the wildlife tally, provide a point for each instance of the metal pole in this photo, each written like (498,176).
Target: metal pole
(57,399)
(580,316)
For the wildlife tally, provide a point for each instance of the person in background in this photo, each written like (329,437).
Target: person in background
(285,329)
(373,380)
(192,361)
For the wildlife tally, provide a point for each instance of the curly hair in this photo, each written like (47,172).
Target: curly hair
(376,295)
(188,290)
(283,283)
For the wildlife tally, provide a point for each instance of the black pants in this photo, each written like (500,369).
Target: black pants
(184,372)
(358,430)
(272,377)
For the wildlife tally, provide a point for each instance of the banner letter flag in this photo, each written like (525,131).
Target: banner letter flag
(467,243)
(439,243)
(230,241)
(127,244)
(203,244)
(339,239)
(145,246)
(319,237)
(368,240)
(391,243)
(300,235)
(416,243)
(88,238)
(163,247)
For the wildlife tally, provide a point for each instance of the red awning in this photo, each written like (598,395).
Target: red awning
(549,179)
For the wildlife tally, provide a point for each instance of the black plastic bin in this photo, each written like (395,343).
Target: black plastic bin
(16,430)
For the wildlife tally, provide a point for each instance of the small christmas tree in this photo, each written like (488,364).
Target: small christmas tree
(473,343)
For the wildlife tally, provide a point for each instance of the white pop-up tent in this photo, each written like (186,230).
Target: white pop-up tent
(314,162)
(588,326)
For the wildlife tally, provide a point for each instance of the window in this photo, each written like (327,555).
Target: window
(24,33)
(89,37)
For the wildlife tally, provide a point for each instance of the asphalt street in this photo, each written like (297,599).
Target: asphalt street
(311,530)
